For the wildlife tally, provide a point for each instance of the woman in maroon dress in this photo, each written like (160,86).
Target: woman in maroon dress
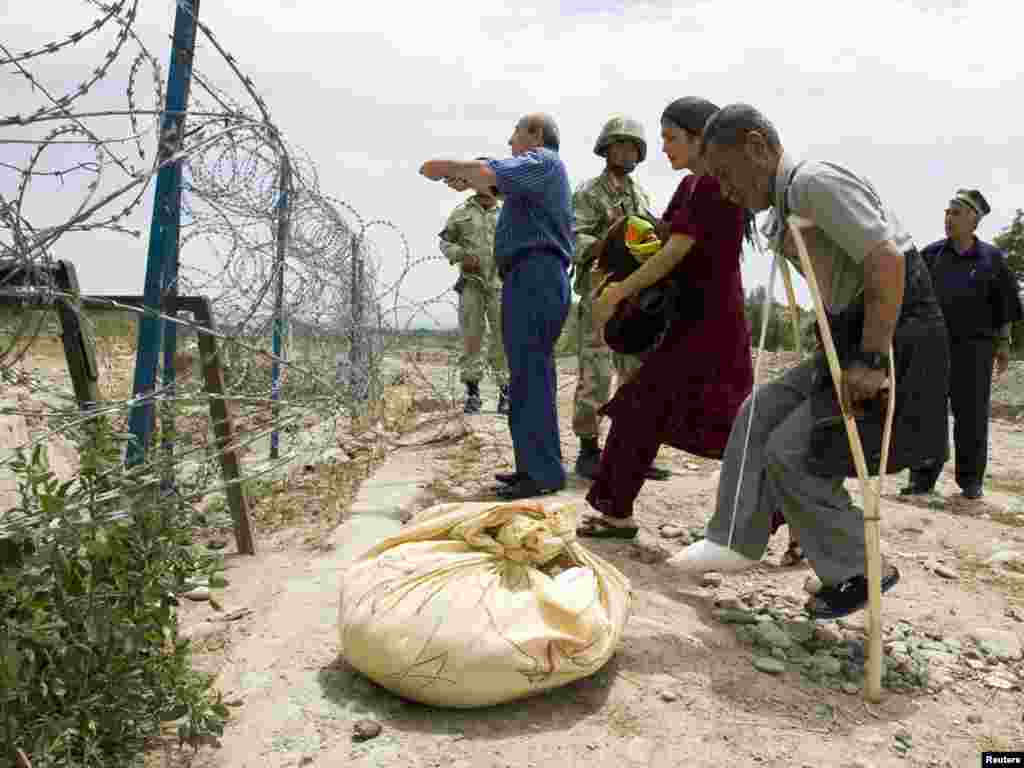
(690,387)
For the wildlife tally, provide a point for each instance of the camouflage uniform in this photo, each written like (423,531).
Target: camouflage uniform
(470,229)
(597,205)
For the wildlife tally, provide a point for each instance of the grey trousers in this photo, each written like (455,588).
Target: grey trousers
(819,510)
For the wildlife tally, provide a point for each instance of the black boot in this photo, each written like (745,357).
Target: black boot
(972,491)
(503,399)
(589,460)
(473,401)
(922,481)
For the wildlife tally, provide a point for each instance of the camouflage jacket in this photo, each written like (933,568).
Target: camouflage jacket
(470,229)
(596,206)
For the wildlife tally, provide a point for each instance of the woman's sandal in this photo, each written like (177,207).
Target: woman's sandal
(846,597)
(595,527)
(794,555)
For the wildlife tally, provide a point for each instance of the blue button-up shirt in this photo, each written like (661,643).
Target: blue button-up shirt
(537,212)
(976,289)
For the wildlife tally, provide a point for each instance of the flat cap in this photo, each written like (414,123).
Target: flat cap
(973,199)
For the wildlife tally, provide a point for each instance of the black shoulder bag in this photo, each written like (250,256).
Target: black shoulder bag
(640,321)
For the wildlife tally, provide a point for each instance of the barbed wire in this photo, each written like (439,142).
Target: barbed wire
(77,169)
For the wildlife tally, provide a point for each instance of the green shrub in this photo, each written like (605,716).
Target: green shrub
(90,660)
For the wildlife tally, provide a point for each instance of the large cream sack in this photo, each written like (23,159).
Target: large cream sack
(474,604)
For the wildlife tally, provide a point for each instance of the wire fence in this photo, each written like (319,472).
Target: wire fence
(310,333)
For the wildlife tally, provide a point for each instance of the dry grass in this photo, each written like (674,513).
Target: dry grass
(1012,485)
(622,722)
(975,573)
(316,499)
(1013,519)
(989,743)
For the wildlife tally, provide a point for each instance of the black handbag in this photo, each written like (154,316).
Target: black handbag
(641,320)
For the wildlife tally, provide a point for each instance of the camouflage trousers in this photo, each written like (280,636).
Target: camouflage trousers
(596,364)
(478,309)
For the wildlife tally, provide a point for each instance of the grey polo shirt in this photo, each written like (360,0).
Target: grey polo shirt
(850,220)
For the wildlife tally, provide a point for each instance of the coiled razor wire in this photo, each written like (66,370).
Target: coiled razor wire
(75,170)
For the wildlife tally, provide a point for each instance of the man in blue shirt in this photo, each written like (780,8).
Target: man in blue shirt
(533,247)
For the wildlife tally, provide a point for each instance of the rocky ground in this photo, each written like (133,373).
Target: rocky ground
(729,669)
(722,672)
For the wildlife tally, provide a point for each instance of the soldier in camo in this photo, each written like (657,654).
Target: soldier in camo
(599,203)
(468,240)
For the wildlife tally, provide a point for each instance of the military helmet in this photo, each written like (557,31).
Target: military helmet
(618,128)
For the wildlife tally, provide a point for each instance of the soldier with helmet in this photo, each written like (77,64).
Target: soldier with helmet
(598,203)
(467,241)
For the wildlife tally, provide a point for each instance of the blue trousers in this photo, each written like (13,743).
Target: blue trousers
(534,306)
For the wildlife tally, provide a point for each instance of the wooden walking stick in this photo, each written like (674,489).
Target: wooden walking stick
(872,496)
(794,313)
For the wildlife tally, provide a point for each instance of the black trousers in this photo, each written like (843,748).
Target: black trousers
(970,395)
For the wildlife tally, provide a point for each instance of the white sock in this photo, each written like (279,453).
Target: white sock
(704,556)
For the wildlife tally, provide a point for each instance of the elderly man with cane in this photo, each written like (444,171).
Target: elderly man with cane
(533,246)
(788,448)
(980,300)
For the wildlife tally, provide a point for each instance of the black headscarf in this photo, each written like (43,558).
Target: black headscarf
(689,113)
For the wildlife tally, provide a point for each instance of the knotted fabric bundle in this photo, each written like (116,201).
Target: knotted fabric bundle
(473,604)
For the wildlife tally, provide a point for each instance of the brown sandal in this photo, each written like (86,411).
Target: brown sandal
(594,527)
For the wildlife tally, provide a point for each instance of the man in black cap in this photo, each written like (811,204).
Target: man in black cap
(980,299)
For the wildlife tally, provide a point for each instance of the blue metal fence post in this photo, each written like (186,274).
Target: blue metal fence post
(161,259)
(169,292)
(283,220)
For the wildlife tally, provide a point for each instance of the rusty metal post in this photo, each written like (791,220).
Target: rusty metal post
(356,357)
(222,429)
(79,345)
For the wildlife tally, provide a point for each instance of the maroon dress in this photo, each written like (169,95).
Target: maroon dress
(689,389)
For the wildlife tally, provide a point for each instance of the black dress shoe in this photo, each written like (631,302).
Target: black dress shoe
(508,478)
(524,488)
(973,491)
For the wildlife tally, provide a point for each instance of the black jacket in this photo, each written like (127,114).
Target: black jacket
(976,290)
(920,430)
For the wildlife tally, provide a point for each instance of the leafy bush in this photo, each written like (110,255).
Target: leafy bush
(90,660)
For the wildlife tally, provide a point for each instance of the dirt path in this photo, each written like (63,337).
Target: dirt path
(683,689)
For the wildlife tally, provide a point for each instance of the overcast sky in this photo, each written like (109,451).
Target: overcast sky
(921,97)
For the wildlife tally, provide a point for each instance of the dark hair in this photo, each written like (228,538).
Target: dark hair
(730,126)
(694,114)
(548,130)
(750,228)
(690,113)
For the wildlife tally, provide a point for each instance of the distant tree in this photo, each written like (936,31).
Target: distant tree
(779,333)
(1011,241)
